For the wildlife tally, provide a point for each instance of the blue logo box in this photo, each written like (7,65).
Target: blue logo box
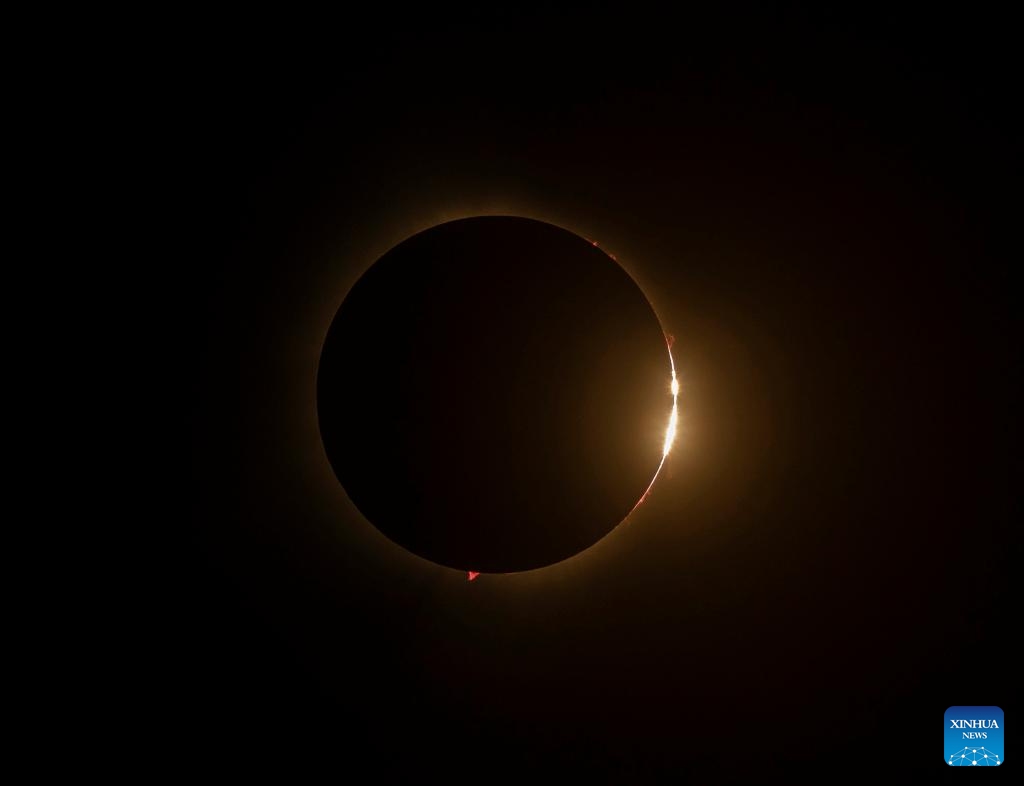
(973,737)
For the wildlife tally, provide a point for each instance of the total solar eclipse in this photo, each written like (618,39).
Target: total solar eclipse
(495,394)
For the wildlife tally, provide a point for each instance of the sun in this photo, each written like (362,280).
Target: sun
(673,418)
(673,422)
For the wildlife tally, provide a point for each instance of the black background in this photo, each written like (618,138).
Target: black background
(820,207)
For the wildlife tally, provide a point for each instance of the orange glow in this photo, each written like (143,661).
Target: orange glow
(673,420)
(473,575)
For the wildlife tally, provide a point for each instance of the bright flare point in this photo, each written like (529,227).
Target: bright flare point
(673,420)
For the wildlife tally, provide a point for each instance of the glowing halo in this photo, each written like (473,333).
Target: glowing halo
(671,429)
(381,356)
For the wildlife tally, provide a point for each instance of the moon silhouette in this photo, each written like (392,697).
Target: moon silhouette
(493,394)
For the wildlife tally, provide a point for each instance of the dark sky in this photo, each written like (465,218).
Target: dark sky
(818,206)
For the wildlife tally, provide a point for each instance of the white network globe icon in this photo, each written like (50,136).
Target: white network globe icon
(973,756)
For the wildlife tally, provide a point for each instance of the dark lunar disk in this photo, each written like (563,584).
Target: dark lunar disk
(493,394)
